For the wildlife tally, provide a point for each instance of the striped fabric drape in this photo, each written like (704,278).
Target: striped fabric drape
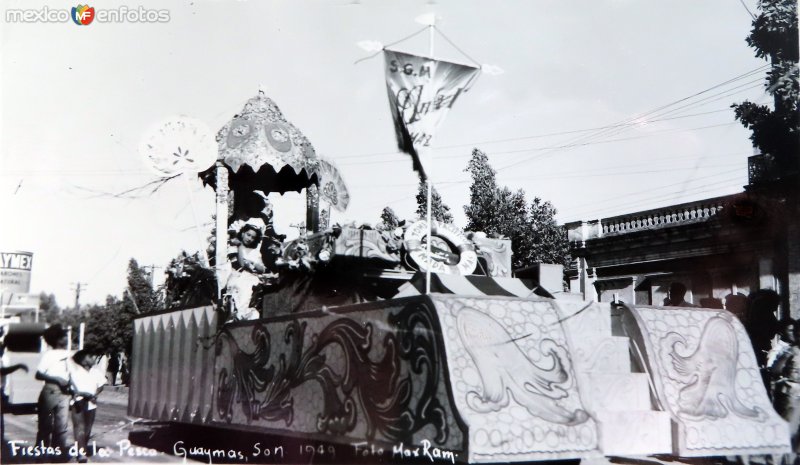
(472,286)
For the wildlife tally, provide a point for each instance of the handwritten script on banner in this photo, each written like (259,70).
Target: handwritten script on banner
(421,92)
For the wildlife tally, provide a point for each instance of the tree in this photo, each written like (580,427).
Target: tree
(776,131)
(48,307)
(109,327)
(140,289)
(482,209)
(535,236)
(549,240)
(439,211)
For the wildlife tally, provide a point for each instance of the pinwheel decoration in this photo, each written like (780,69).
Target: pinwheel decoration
(177,145)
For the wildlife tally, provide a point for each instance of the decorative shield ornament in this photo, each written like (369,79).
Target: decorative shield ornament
(332,188)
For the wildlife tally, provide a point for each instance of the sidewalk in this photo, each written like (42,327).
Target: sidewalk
(116,395)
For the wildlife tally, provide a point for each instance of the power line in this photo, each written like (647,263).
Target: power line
(450,184)
(658,110)
(561,133)
(548,149)
(640,201)
(680,195)
(535,136)
(608,171)
(658,188)
(644,200)
(590,140)
(612,168)
(607,141)
(628,122)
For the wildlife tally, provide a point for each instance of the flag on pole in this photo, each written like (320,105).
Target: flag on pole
(421,92)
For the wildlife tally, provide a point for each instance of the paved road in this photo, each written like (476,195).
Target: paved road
(111,436)
(118,438)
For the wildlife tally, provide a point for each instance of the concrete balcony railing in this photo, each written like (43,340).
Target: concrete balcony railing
(671,216)
(666,217)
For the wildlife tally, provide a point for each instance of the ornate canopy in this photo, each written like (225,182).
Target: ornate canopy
(263,151)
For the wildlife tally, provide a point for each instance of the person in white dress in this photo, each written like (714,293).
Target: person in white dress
(247,264)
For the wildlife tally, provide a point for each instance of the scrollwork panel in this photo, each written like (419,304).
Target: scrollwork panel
(371,375)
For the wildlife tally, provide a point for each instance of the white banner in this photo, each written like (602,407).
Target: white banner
(421,92)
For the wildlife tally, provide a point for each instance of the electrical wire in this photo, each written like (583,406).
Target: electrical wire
(575,143)
(567,175)
(592,207)
(627,123)
(535,136)
(533,149)
(658,188)
(656,111)
(649,202)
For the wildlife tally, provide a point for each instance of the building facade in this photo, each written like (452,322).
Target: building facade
(721,249)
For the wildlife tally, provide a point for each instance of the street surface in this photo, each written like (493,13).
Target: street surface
(110,434)
(117,438)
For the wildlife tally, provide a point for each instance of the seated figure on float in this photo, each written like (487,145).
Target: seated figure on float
(247,265)
(254,209)
(253,248)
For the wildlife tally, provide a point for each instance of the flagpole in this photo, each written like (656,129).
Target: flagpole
(428,245)
(430,187)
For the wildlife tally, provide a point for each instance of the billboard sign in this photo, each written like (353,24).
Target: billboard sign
(15,272)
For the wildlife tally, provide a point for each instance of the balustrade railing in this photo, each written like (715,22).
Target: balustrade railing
(662,218)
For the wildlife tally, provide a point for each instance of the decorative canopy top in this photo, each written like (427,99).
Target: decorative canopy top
(264,151)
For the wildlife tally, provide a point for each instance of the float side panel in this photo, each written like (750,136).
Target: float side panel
(370,373)
(513,381)
(162,383)
(707,378)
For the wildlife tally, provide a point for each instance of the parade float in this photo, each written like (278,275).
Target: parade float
(349,346)
(415,339)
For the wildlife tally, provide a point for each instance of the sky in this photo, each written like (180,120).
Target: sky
(76,101)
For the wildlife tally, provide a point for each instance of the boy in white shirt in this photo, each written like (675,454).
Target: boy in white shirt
(53,405)
(85,384)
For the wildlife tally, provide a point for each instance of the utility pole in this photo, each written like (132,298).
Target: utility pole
(152,272)
(77,289)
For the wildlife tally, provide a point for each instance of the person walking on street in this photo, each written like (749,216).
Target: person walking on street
(53,405)
(85,383)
